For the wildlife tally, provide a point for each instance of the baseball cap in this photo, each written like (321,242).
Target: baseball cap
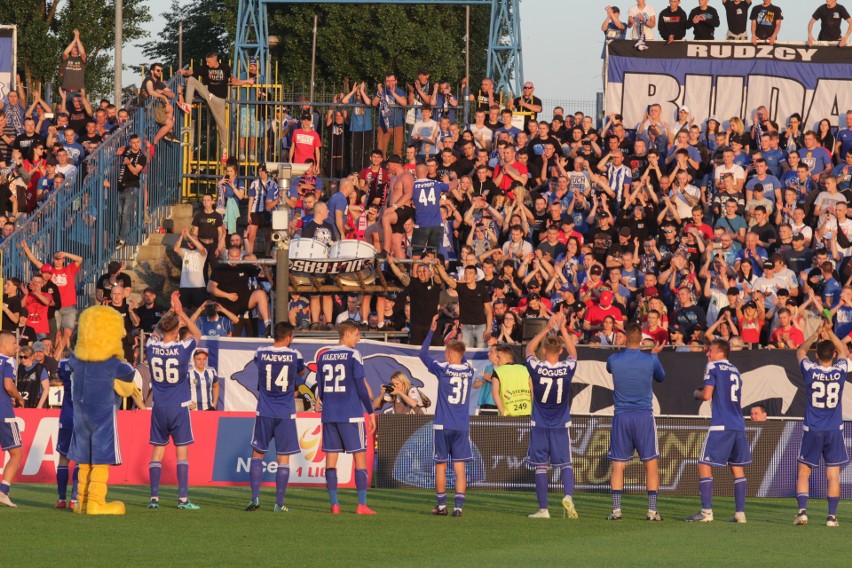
(39,346)
(46,268)
(200,350)
(577,306)
(252,60)
(566,287)
(651,291)
(750,304)
(306,116)
(606,297)
(676,328)
(768,264)
(596,269)
(624,232)
(557,118)
(798,237)
(714,119)
(534,296)
(422,71)
(500,301)
(684,108)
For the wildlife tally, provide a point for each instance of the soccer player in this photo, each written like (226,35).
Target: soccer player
(10,436)
(823,425)
(452,418)
(345,398)
(63,443)
(169,358)
(726,443)
(278,369)
(550,441)
(633,425)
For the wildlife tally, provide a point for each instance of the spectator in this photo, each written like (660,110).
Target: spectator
(831,16)
(704,19)
(389,99)
(73,66)
(306,142)
(765,22)
(528,104)
(641,19)
(510,384)
(214,320)
(33,380)
(153,87)
(758,413)
(193,290)
(736,12)
(212,80)
(249,127)
(474,306)
(13,106)
(673,22)
(612,27)
(204,382)
(41,357)
(148,312)
(230,287)
(133,160)
(229,191)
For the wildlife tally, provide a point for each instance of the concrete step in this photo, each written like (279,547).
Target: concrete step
(155,239)
(182,210)
(150,252)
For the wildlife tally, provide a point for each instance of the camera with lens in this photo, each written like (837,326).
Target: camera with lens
(388,388)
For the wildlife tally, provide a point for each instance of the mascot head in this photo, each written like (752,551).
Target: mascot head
(99,334)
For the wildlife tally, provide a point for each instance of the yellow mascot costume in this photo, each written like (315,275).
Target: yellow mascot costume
(99,372)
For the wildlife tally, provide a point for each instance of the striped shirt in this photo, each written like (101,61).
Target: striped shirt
(618,177)
(202,383)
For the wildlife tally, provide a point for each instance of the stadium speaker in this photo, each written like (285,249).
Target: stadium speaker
(532,327)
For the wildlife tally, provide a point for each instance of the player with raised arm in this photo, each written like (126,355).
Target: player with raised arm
(63,441)
(10,435)
(726,443)
(550,442)
(278,369)
(345,397)
(169,358)
(452,418)
(823,425)
(633,425)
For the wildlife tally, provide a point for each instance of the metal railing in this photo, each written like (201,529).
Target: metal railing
(83,217)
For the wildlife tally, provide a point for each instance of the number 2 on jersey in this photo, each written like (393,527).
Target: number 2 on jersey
(332,377)
(282,380)
(736,382)
(825,395)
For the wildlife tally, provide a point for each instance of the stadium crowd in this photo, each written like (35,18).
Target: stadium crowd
(735,228)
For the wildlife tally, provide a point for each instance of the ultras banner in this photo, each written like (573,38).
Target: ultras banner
(771,377)
(726,79)
(405,456)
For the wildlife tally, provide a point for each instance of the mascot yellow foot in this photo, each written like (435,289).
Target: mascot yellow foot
(82,488)
(97,491)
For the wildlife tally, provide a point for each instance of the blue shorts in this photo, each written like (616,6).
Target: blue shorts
(633,430)
(452,445)
(10,435)
(829,445)
(63,440)
(549,446)
(725,447)
(283,430)
(94,439)
(346,437)
(171,422)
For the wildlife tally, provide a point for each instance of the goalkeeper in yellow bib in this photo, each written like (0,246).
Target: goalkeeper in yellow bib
(99,373)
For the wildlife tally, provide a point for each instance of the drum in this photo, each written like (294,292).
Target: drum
(306,249)
(354,249)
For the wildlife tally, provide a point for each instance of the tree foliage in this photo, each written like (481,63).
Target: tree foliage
(45,27)
(364,42)
(208,25)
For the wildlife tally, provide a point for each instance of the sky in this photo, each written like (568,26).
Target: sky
(561,40)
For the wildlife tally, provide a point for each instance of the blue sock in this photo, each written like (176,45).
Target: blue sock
(705,489)
(282,478)
(255,476)
(833,502)
(459,500)
(652,500)
(361,485)
(331,484)
(74,481)
(541,486)
(155,470)
(442,499)
(802,500)
(62,481)
(739,494)
(183,480)
(4,488)
(567,475)
(616,499)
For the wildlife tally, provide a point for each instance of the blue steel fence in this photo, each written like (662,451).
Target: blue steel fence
(82,218)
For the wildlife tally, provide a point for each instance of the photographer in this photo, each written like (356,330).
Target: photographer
(208,319)
(403,398)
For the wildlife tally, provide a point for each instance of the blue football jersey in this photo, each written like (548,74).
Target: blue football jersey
(454,382)
(66,412)
(824,394)
(632,371)
(344,395)
(278,369)
(551,390)
(169,364)
(7,371)
(727,393)
(427,202)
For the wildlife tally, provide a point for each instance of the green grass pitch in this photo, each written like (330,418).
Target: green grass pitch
(494,530)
